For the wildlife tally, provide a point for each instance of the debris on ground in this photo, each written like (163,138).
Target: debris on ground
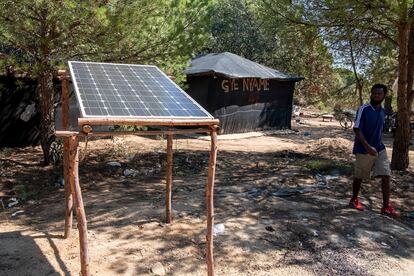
(17,213)
(114,164)
(59,182)
(158,269)
(285,188)
(131,172)
(304,234)
(218,229)
(332,147)
(12,202)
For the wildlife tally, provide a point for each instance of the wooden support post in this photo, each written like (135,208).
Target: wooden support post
(169,169)
(68,189)
(66,172)
(80,211)
(210,200)
(65,103)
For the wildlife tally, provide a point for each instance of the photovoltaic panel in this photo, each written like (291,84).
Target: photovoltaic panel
(130,91)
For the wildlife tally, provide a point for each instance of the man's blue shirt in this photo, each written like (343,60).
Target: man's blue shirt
(370,121)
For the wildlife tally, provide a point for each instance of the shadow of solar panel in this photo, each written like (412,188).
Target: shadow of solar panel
(132,91)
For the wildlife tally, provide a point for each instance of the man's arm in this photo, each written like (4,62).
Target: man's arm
(371,150)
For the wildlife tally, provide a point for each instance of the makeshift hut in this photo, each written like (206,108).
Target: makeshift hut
(242,94)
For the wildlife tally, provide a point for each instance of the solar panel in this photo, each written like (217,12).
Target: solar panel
(130,91)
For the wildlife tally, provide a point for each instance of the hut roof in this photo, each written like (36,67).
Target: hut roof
(234,66)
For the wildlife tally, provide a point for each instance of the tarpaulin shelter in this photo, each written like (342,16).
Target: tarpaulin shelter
(19,118)
(242,94)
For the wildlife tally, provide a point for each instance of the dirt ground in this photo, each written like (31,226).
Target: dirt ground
(282,199)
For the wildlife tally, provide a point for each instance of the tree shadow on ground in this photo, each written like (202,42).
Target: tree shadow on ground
(314,230)
(21,255)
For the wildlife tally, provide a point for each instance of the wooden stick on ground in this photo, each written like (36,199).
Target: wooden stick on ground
(80,211)
(210,200)
(169,169)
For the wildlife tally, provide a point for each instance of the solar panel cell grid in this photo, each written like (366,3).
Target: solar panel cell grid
(122,90)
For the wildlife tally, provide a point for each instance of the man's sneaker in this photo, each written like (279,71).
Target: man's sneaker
(354,203)
(389,211)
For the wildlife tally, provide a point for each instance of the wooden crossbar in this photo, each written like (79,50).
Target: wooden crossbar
(67,133)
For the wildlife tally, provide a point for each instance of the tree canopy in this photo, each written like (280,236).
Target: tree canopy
(39,36)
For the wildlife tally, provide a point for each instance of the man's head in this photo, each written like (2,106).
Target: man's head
(378,92)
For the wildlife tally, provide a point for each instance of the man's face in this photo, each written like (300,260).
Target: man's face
(377,96)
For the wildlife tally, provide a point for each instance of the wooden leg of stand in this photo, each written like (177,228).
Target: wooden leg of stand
(80,211)
(68,192)
(210,201)
(169,169)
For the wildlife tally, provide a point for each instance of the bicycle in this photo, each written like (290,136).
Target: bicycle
(345,118)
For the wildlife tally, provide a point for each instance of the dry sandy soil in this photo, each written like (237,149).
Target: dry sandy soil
(282,199)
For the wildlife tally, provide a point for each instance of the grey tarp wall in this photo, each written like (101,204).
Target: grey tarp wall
(244,95)
(19,119)
(19,115)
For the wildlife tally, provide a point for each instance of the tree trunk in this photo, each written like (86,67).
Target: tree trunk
(387,103)
(359,85)
(47,113)
(410,65)
(400,150)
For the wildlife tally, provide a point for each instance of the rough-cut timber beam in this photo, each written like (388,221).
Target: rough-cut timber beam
(61,133)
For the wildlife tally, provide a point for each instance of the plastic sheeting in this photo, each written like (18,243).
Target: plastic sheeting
(234,66)
(242,94)
(245,104)
(19,119)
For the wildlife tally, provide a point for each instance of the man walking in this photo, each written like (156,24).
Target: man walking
(369,150)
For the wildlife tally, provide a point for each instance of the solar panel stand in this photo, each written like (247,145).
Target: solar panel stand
(71,159)
(71,154)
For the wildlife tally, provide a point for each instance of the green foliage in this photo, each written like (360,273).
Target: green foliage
(5,152)
(161,32)
(22,192)
(253,30)
(361,35)
(39,36)
(235,28)
(326,165)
